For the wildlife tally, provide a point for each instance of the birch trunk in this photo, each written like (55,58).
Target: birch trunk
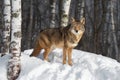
(6,28)
(82,9)
(112,36)
(15,45)
(65,12)
(53,10)
(80,6)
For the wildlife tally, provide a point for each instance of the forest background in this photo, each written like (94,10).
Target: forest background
(102,35)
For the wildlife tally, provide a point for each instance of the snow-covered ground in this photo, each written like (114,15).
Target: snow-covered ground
(86,66)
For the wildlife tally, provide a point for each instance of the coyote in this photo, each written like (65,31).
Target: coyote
(63,37)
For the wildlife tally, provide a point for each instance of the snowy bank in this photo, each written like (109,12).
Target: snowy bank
(86,66)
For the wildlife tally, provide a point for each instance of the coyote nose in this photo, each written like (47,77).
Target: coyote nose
(76,31)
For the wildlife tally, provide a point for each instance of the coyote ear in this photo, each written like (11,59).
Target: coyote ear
(72,20)
(83,21)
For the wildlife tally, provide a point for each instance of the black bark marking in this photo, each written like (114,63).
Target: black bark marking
(17,34)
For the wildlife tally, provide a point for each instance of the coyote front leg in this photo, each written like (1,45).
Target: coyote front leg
(70,56)
(65,51)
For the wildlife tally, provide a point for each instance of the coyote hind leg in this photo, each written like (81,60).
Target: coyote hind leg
(36,50)
(46,53)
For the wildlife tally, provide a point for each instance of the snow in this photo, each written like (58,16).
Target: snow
(86,66)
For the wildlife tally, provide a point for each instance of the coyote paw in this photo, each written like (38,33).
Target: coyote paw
(64,62)
(70,63)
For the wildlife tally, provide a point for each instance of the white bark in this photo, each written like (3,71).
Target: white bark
(15,45)
(82,9)
(80,5)
(65,12)
(6,28)
(115,46)
(112,41)
(53,10)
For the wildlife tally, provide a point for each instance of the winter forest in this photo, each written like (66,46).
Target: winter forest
(22,20)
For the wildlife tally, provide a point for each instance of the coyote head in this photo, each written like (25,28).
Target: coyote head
(77,27)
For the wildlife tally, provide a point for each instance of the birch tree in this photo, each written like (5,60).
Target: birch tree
(112,36)
(53,5)
(65,12)
(6,28)
(80,6)
(82,9)
(15,45)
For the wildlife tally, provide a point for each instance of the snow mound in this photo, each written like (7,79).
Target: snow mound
(86,66)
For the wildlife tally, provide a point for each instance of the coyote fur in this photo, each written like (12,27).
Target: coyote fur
(63,37)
